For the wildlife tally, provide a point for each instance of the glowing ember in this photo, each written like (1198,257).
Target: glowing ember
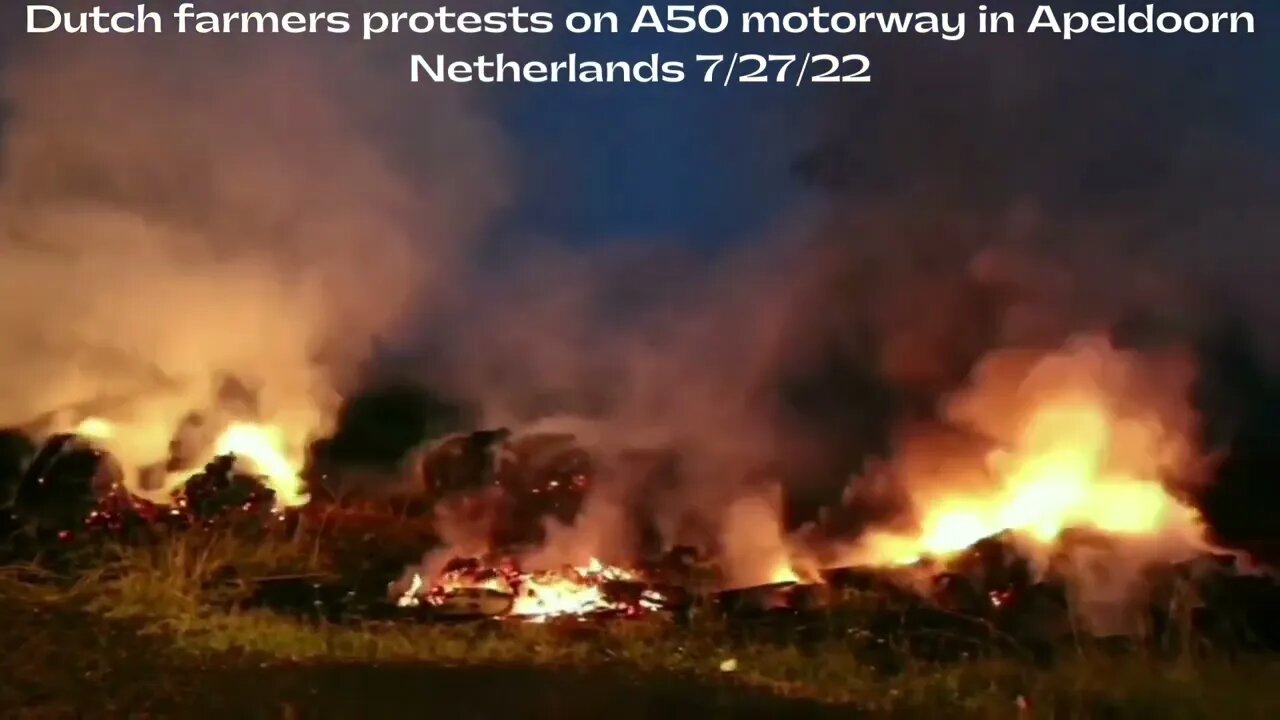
(539,596)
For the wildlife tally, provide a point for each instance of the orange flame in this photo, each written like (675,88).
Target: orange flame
(542,595)
(573,591)
(95,428)
(263,448)
(260,447)
(1074,461)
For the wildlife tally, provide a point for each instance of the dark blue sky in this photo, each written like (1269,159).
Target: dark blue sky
(703,165)
(689,163)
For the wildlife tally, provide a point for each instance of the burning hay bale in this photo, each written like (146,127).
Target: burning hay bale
(224,494)
(524,480)
(992,595)
(70,485)
(547,476)
(460,463)
(941,583)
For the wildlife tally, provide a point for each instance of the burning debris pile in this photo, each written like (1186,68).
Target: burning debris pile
(473,588)
(1057,502)
(979,599)
(69,484)
(1059,499)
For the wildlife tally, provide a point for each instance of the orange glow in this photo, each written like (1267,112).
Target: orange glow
(573,591)
(783,574)
(95,428)
(542,595)
(1072,461)
(262,447)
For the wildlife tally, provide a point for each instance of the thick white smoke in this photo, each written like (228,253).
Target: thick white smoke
(180,216)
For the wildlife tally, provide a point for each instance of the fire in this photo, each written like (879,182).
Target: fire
(573,591)
(410,596)
(263,448)
(1055,481)
(95,428)
(783,573)
(537,596)
(1074,461)
(755,548)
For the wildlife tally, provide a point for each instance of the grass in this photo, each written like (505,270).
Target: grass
(169,609)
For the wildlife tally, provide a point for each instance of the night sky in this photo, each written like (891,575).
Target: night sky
(691,164)
(706,166)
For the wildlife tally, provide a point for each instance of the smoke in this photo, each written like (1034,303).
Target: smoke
(754,548)
(204,225)
(997,198)
(601,531)
(670,394)
(226,226)
(979,201)
(1087,436)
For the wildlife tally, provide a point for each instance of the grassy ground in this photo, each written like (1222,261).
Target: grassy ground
(149,632)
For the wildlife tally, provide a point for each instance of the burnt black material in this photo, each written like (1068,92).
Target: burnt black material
(65,483)
(221,494)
